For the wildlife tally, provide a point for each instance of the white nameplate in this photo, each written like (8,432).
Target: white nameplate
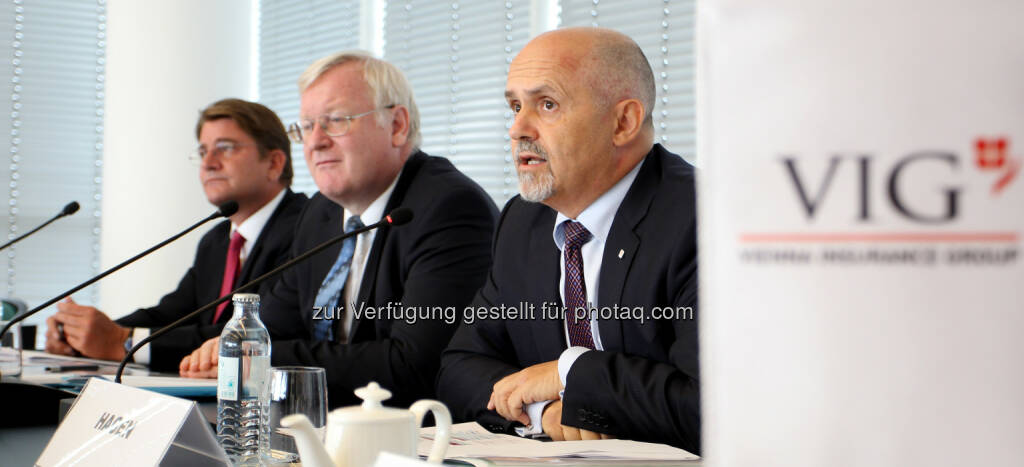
(115,424)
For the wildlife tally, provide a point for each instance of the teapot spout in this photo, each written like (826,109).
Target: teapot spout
(311,451)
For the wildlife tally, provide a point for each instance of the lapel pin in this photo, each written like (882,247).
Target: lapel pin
(621,253)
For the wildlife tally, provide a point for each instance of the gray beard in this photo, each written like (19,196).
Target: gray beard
(536,188)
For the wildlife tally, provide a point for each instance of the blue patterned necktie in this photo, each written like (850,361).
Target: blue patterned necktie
(575,287)
(330,289)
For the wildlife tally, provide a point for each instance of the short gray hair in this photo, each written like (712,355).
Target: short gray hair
(387,83)
(621,70)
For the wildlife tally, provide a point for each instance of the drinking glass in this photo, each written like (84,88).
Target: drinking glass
(292,390)
(10,347)
(10,351)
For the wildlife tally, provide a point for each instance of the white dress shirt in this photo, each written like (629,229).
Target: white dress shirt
(373,214)
(251,227)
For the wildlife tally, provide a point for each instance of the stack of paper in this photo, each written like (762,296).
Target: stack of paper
(470,440)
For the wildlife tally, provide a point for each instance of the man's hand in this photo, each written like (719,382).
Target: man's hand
(54,341)
(553,427)
(537,383)
(87,330)
(203,361)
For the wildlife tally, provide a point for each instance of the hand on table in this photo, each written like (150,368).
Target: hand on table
(202,363)
(55,342)
(87,330)
(512,393)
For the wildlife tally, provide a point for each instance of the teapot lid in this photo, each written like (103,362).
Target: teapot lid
(371,409)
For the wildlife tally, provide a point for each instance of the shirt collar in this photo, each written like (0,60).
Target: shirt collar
(251,227)
(375,211)
(598,217)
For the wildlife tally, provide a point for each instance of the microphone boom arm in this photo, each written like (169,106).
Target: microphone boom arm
(317,249)
(89,282)
(64,212)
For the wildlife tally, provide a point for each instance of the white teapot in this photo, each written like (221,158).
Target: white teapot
(357,434)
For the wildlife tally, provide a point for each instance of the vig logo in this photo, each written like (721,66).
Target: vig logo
(991,156)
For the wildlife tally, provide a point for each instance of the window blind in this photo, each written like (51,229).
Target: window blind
(456,55)
(292,34)
(55,75)
(664,29)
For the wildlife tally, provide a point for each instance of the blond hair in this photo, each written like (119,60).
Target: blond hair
(387,83)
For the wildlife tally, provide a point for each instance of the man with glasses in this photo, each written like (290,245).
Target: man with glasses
(382,306)
(243,156)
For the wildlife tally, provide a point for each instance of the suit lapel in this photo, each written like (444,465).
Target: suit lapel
(247,265)
(261,240)
(222,241)
(622,245)
(549,334)
(373,257)
(257,248)
(330,225)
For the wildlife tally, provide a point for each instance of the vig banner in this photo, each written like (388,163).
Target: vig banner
(861,207)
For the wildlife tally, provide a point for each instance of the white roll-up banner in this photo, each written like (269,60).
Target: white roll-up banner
(861,209)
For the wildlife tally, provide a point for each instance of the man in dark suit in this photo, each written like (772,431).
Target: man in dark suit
(360,128)
(604,229)
(244,155)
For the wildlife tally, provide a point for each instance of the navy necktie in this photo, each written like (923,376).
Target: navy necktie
(330,289)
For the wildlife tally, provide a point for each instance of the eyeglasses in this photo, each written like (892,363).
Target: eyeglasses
(225,149)
(333,124)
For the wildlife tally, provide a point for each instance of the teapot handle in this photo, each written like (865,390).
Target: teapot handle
(442,430)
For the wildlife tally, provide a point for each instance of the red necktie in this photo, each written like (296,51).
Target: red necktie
(575,287)
(230,270)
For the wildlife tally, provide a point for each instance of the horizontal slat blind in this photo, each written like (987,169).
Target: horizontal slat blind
(665,31)
(456,55)
(55,125)
(292,34)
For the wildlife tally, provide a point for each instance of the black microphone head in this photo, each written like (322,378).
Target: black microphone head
(399,216)
(70,208)
(228,209)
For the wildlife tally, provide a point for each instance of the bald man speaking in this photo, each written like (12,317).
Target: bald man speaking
(598,253)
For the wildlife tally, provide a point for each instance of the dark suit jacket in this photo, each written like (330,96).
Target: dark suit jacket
(644,385)
(439,259)
(201,285)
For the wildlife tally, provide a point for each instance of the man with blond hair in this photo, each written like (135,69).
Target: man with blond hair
(243,156)
(359,126)
(604,230)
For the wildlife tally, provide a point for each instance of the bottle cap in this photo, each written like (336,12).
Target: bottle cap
(245,298)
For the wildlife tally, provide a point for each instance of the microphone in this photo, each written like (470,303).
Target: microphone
(397,217)
(224,210)
(68,210)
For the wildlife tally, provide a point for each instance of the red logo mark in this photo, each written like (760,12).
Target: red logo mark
(992,155)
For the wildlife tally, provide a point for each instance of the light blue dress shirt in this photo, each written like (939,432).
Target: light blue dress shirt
(598,219)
